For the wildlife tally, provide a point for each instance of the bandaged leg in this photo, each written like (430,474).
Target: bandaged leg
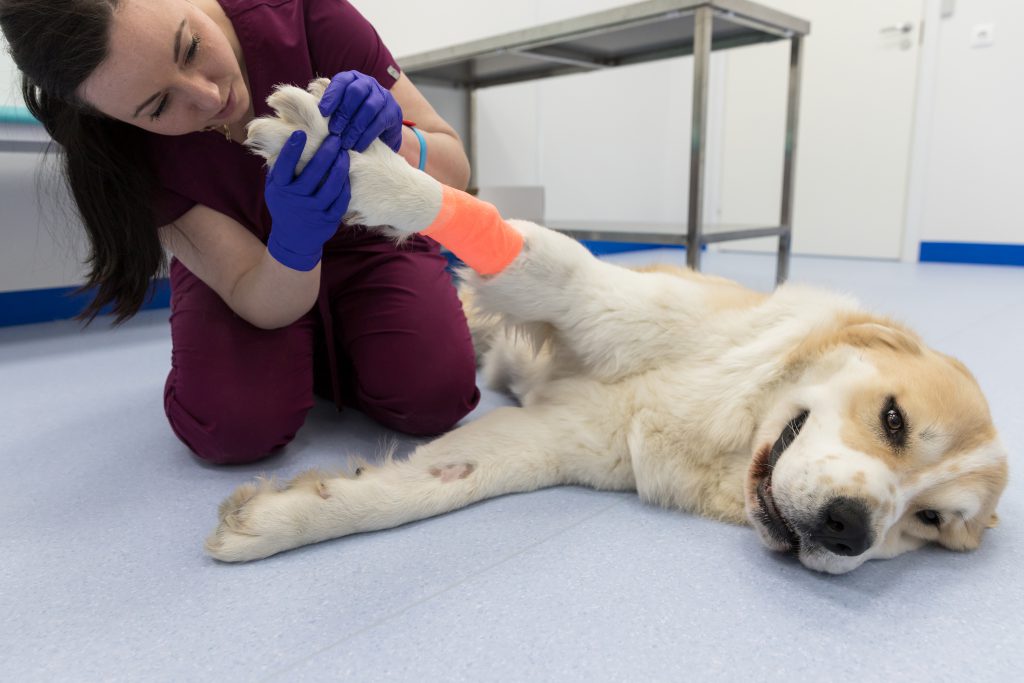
(474,231)
(390,194)
(530,276)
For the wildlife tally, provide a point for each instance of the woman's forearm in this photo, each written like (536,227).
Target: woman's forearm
(446,156)
(270,295)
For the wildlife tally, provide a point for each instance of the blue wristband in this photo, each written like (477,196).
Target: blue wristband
(423,147)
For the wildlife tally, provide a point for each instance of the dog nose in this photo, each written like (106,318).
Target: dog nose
(844,527)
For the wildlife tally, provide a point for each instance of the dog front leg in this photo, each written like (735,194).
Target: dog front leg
(616,321)
(509,450)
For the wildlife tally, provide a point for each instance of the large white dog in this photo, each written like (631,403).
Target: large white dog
(838,435)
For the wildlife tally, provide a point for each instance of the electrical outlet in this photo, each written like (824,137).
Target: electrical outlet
(983,35)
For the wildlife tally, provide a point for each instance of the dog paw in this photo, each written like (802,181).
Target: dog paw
(259,520)
(387,193)
(295,109)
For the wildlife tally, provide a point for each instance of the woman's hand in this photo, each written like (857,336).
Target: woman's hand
(361,111)
(306,209)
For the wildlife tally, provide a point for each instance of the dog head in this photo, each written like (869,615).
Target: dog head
(879,446)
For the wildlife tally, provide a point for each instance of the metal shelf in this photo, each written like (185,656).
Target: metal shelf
(633,34)
(669,234)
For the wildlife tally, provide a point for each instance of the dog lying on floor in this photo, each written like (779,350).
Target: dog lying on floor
(837,434)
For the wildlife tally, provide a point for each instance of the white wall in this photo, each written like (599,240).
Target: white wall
(973,172)
(9,89)
(40,247)
(40,243)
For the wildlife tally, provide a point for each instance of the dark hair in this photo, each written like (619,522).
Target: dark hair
(57,44)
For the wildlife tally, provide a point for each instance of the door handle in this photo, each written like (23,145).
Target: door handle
(905,27)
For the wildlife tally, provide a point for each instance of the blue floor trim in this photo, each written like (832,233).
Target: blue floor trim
(602,247)
(968,252)
(61,303)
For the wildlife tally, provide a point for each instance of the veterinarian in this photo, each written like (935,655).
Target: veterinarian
(270,302)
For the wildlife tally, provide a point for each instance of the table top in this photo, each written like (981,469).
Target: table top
(640,32)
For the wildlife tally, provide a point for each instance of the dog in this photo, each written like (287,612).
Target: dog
(838,435)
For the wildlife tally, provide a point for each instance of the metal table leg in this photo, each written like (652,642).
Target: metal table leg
(789,163)
(470,143)
(698,140)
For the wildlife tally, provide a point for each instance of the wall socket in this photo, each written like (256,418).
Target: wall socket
(983,35)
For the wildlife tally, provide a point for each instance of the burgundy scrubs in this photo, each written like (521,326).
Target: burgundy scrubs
(387,335)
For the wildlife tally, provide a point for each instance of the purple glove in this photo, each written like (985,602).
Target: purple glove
(306,209)
(361,111)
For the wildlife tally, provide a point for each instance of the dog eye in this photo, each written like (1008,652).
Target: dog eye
(893,424)
(893,420)
(930,517)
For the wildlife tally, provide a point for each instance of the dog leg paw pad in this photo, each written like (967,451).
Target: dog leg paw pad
(450,473)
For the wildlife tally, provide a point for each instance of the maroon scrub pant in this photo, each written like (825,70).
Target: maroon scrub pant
(387,337)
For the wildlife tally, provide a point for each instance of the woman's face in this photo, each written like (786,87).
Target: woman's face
(170,70)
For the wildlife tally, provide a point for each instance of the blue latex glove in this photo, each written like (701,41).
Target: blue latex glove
(306,209)
(361,111)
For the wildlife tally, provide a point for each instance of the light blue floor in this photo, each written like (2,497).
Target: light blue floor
(102,575)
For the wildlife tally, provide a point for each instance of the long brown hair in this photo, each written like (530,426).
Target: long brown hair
(56,45)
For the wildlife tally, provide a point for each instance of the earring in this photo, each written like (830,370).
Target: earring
(222,129)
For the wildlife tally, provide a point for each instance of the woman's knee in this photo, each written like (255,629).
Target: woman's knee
(235,393)
(425,402)
(227,428)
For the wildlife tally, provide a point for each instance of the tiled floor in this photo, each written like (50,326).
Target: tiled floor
(102,575)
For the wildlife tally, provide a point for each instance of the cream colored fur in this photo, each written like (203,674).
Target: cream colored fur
(668,383)
(297,109)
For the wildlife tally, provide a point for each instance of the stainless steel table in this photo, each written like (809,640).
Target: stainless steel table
(641,32)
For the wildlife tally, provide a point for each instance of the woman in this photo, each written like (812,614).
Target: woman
(149,100)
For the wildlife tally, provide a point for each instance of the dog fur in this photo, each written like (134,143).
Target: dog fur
(797,412)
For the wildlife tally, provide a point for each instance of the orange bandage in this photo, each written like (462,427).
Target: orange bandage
(474,231)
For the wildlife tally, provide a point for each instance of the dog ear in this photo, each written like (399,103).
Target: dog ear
(857,330)
(882,335)
(960,367)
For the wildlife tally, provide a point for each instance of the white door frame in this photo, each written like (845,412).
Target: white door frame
(924,100)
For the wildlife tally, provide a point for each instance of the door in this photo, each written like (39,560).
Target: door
(856,120)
